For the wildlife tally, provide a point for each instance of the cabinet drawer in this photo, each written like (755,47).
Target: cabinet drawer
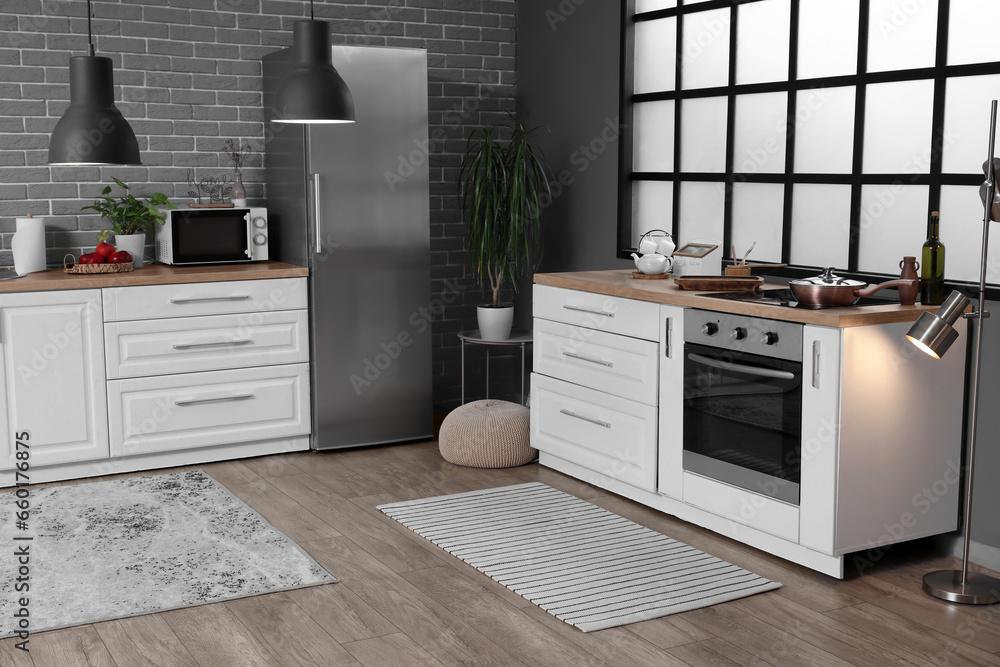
(236,296)
(172,412)
(742,506)
(607,434)
(217,342)
(629,317)
(618,365)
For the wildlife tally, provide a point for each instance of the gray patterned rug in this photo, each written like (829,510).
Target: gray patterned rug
(104,550)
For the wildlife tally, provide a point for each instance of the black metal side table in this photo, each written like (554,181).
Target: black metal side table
(473,337)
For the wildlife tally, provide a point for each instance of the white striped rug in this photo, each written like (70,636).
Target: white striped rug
(581,563)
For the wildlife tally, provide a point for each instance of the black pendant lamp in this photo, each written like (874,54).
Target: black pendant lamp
(92,131)
(314,91)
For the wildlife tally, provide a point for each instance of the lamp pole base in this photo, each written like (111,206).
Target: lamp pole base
(977,589)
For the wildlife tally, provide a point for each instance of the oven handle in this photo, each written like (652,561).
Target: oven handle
(742,368)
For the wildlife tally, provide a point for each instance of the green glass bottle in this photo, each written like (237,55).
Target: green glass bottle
(932,265)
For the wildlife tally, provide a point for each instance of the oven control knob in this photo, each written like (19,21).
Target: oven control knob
(739,333)
(710,328)
(259,222)
(769,338)
(259,239)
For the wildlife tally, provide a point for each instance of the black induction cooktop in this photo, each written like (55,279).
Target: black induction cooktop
(785,299)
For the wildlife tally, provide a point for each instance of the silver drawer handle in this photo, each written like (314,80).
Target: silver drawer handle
(222,343)
(574,355)
(223,399)
(207,299)
(570,413)
(587,310)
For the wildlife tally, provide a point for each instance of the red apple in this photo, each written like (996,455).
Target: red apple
(119,257)
(91,258)
(104,249)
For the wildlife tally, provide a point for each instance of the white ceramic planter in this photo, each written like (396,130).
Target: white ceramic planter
(495,323)
(134,244)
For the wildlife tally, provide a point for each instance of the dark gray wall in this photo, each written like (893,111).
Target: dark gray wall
(567,84)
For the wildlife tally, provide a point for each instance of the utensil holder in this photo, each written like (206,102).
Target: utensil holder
(737,271)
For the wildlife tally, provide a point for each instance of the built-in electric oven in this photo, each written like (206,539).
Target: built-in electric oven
(743,402)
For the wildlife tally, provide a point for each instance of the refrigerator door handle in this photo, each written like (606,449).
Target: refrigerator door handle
(317,211)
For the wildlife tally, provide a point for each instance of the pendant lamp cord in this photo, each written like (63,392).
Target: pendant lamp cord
(312,17)
(90,37)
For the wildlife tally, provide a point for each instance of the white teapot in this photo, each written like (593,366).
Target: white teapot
(656,241)
(652,263)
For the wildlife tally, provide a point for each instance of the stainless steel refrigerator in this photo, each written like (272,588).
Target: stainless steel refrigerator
(351,202)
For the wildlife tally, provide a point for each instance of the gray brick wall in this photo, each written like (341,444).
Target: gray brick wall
(188,77)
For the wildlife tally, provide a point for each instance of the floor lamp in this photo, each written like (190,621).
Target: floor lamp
(934,333)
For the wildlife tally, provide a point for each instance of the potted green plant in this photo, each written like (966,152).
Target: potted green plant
(131,219)
(502,184)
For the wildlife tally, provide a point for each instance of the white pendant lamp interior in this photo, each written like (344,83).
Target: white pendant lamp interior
(313,92)
(92,131)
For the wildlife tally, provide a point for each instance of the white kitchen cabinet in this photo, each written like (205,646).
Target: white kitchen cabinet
(229,367)
(52,366)
(881,444)
(594,389)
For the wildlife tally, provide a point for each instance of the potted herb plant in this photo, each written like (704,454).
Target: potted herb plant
(503,184)
(131,219)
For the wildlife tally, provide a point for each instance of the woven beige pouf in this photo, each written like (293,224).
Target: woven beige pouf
(487,434)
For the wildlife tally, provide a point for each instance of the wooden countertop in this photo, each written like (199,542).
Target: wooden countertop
(620,282)
(151,274)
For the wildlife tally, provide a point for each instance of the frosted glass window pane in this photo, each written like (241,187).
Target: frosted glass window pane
(962,235)
(824,130)
(828,38)
(972,32)
(967,123)
(705,62)
(703,134)
(898,127)
(762,41)
(652,203)
(653,5)
(759,144)
(653,138)
(655,55)
(902,35)
(701,213)
(893,223)
(757,210)
(821,225)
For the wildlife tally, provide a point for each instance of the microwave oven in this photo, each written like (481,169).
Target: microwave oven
(212,236)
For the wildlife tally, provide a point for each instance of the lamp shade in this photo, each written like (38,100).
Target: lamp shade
(313,92)
(92,130)
(934,333)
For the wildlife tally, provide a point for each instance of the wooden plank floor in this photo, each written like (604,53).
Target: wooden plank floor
(403,601)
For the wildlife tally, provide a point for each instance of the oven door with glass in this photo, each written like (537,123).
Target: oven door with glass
(743,419)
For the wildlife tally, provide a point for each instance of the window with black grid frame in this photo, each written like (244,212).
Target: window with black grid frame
(824,131)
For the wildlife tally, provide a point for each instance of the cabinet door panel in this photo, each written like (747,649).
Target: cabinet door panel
(821,354)
(207,343)
(170,412)
(671,418)
(52,356)
(607,434)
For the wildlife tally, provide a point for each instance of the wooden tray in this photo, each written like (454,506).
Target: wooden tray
(645,276)
(718,283)
(70,265)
